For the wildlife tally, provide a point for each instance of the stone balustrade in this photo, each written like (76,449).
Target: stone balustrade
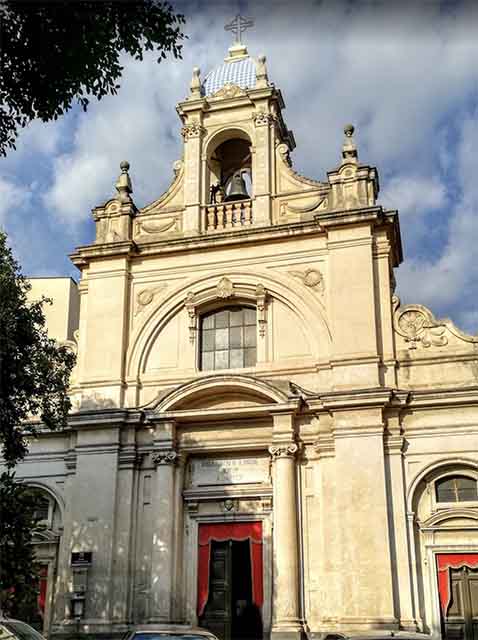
(228,215)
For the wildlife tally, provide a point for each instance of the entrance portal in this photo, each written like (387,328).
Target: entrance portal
(230,580)
(458,588)
(461,620)
(230,612)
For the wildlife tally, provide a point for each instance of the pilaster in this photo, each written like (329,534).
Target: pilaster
(366,596)
(286,615)
(165,459)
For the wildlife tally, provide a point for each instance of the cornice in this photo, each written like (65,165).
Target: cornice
(443,397)
(99,418)
(130,249)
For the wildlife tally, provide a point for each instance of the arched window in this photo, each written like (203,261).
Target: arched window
(228,338)
(456,489)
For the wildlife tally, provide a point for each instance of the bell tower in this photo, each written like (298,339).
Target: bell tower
(232,125)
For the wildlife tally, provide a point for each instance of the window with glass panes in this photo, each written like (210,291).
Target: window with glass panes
(457,489)
(228,338)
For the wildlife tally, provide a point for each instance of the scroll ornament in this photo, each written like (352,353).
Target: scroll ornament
(417,326)
(165,458)
(287,450)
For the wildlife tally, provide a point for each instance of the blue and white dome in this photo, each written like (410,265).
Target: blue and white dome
(241,72)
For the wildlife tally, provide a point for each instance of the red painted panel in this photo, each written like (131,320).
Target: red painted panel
(237,531)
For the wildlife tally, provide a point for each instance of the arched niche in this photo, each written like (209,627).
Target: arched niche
(221,391)
(175,320)
(46,544)
(438,528)
(228,151)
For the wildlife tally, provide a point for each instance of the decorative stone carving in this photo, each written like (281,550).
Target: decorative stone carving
(229,90)
(177,166)
(261,308)
(165,457)
(286,450)
(191,309)
(261,118)
(146,296)
(229,505)
(418,327)
(284,152)
(169,224)
(225,288)
(192,130)
(311,278)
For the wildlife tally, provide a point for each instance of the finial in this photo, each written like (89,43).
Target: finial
(123,185)
(261,72)
(195,85)
(349,150)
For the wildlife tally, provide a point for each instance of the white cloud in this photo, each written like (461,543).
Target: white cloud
(414,194)
(451,280)
(13,197)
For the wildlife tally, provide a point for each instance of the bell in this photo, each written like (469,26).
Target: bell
(237,189)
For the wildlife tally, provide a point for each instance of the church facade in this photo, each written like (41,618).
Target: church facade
(264,441)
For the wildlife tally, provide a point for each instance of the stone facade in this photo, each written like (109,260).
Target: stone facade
(333,438)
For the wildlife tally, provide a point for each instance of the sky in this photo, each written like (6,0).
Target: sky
(406,77)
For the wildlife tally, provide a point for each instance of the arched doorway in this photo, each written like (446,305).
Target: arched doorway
(445,508)
(46,543)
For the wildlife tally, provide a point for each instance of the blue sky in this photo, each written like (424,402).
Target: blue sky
(406,78)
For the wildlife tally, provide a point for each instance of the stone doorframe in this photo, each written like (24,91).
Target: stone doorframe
(192,521)
(429,569)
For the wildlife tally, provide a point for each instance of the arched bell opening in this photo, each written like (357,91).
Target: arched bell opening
(230,169)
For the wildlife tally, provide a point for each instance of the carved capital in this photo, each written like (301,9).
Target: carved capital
(165,458)
(262,119)
(286,450)
(192,130)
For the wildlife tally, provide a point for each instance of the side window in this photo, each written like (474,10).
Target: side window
(228,338)
(456,489)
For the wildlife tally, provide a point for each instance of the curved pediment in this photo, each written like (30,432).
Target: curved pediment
(223,391)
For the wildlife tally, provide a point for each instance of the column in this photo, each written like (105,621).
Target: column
(162,556)
(285,606)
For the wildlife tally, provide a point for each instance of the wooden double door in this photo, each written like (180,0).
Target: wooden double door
(230,612)
(461,620)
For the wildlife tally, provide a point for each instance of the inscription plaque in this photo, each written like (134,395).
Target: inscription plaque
(211,471)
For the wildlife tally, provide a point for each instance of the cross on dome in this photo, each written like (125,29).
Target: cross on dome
(239,25)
